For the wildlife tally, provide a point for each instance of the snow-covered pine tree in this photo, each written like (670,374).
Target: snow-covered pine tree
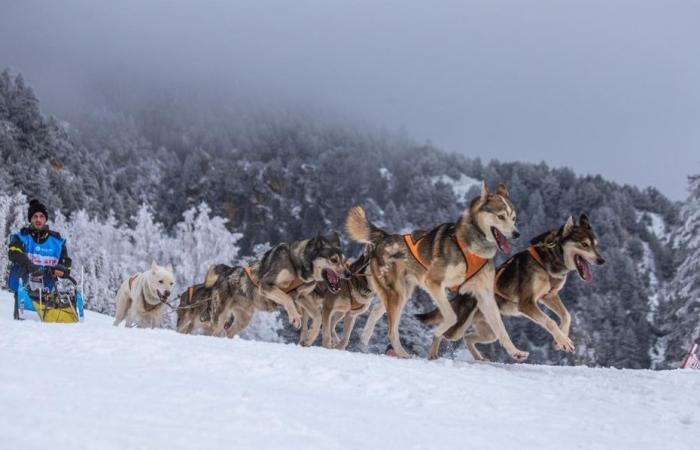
(13,216)
(679,312)
(201,240)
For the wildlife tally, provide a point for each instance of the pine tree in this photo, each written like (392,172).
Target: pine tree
(679,312)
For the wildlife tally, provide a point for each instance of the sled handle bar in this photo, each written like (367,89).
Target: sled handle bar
(46,270)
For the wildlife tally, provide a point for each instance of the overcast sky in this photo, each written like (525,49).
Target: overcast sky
(609,87)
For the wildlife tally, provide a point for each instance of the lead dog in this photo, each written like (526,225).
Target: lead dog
(532,276)
(452,255)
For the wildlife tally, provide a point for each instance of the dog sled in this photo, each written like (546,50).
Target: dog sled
(55,300)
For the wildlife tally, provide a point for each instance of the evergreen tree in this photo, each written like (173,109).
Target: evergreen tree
(679,313)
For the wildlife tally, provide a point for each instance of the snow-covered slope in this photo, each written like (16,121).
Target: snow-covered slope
(95,386)
(460,187)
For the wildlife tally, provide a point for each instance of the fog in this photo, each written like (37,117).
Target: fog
(609,87)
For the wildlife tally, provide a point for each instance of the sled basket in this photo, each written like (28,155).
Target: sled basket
(55,305)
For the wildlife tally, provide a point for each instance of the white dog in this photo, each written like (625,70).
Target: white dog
(141,298)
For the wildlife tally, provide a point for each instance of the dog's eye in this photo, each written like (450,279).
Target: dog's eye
(160,281)
(502,217)
(334,259)
(585,245)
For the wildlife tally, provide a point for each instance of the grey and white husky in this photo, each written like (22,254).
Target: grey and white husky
(455,255)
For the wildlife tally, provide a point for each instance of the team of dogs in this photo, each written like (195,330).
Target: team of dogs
(318,288)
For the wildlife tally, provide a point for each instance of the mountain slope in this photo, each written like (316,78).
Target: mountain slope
(279,178)
(94,386)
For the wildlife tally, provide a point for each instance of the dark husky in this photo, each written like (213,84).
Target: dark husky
(199,302)
(453,255)
(531,276)
(351,300)
(285,272)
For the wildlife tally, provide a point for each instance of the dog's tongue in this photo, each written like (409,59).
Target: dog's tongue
(501,241)
(584,269)
(332,277)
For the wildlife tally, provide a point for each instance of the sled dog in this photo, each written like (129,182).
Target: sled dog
(285,273)
(142,297)
(534,275)
(350,301)
(453,255)
(198,302)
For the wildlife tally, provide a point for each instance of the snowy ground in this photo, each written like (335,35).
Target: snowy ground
(93,386)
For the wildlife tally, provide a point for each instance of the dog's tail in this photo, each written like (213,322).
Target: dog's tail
(360,229)
(433,317)
(211,277)
(213,274)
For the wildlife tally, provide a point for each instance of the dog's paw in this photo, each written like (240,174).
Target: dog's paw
(402,354)
(519,355)
(565,344)
(295,322)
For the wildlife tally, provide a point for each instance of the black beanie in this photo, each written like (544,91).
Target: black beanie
(36,206)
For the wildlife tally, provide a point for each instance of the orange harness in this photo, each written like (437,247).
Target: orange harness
(292,287)
(533,253)
(474,262)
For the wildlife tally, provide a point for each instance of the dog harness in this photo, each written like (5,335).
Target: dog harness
(473,262)
(253,279)
(533,253)
(355,305)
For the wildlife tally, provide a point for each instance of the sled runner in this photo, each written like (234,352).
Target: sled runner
(54,299)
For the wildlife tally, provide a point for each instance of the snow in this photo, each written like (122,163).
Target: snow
(647,266)
(460,187)
(95,386)
(385,173)
(655,224)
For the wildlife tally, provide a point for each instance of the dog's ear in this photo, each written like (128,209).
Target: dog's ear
(317,242)
(501,190)
(484,193)
(335,239)
(568,227)
(169,267)
(583,221)
(154,266)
